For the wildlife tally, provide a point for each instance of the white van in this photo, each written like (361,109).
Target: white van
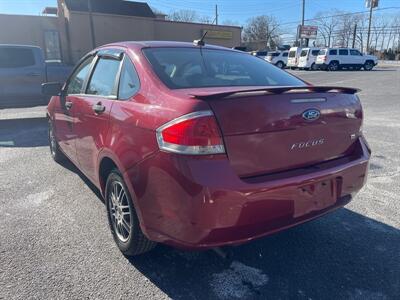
(293,57)
(307,59)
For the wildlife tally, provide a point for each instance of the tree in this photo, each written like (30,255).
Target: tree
(326,26)
(261,29)
(183,15)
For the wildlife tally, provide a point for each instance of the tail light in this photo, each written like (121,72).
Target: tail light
(194,134)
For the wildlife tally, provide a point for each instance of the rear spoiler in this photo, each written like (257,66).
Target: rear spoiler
(278,90)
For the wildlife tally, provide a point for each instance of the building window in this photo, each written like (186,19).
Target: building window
(52,44)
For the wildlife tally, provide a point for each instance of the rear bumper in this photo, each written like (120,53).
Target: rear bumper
(198,203)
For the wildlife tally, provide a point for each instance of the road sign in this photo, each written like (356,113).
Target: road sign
(308,32)
(373,3)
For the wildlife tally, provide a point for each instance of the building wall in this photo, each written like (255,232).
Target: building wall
(75,34)
(187,32)
(29,30)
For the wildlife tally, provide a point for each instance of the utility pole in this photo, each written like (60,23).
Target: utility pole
(91,24)
(354,36)
(302,21)
(372,4)
(216,14)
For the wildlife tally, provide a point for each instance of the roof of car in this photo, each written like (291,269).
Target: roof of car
(159,44)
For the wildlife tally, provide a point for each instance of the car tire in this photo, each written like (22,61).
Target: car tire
(280,65)
(368,66)
(122,218)
(55,150)
(313,67)
(333,66)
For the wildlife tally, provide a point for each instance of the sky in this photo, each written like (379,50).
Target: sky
(235,11)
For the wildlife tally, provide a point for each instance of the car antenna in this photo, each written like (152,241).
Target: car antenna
(200,42)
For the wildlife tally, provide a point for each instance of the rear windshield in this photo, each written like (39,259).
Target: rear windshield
(195,67)
(304,53)
(292,53)
(322,52)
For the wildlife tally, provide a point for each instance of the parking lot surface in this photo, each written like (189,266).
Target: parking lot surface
(55,241)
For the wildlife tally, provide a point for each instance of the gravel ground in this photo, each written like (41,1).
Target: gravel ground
(55,241)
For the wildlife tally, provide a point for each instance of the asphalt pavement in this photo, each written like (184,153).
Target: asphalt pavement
(55,242)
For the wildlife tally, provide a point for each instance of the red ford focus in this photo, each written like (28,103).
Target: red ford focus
(202,146)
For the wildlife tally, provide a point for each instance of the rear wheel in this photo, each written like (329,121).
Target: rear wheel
(314,67)
(280,65)
(368,66)
(333,66)
(122,217)
(55,151)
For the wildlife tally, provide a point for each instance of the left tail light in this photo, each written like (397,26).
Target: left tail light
(193,134)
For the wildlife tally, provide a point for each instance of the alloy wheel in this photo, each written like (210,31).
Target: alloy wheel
(120,212)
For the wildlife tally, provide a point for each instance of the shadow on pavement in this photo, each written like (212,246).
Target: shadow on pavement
(28,132)
(343,255)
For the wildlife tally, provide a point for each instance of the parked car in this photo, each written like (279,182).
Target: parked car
(22,71)
(293,57)
(204,146)
(278,58)
(307,59)
(334,59)
(260,54)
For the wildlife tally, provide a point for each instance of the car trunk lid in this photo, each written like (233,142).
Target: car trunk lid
(273,129)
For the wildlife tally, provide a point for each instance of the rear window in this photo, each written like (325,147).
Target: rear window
(322,52)
(273,54)
(343,52)
(285,54)
(333,52)
(292,53)
(304,53)
(195,67)
(16,58)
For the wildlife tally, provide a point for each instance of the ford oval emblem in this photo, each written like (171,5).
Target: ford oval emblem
(311,114)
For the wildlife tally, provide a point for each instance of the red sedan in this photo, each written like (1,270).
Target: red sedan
(199,146)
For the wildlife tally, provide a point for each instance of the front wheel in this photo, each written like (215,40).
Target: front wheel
(333,66)
(280,65)
(122,217)
(368,66)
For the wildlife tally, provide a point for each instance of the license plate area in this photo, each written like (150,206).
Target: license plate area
(316,196)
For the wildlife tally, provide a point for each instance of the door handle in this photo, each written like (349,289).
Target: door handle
(98,108)
(68,105)
(33,74)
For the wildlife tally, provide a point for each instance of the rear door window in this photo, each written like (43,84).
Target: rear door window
(343,52)
(285,54)
(304,53)
(333,52)
(315,52)
(103,79)
(16,57)
(196,67)
(355,52)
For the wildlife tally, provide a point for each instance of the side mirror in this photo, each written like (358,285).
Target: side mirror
(51,88)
